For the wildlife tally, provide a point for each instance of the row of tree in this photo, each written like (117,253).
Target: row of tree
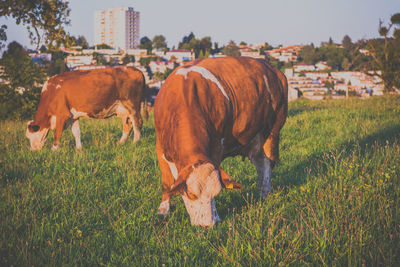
(379,55)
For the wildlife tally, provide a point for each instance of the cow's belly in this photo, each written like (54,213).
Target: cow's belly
(117,108)
(232,147)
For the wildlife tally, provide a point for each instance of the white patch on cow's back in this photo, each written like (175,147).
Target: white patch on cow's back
(172,167)
(76,114)
(266,83)
(205,73)
(53,121)
(44,88)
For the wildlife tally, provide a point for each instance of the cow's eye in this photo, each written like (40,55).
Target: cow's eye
(33,128)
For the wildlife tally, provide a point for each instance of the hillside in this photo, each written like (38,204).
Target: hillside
(335,197)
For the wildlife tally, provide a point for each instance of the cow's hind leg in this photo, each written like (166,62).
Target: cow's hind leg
(135,117)
(263,166)
(76,132)
(137,122)
(264,172)
(127,128)
(167,180)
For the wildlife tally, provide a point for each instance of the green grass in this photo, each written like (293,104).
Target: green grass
(335,198)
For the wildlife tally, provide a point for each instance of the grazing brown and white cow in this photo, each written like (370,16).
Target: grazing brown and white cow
(98,94)
(208,110)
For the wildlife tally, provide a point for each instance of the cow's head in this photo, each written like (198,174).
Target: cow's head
(37,135)
(198,187)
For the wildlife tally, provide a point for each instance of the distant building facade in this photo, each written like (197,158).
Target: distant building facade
(180,55)
(117,27)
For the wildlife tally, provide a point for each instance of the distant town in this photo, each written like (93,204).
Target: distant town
(117,42)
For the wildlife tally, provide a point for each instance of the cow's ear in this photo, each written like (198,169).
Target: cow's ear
(33,128)
(179,187)
(227,181)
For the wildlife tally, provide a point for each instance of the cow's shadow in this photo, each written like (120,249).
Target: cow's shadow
(296,175)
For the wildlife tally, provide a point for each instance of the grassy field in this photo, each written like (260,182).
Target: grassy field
(335,197)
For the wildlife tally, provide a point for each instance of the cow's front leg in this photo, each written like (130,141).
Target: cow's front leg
(126,129)
(168,175)
(76,131)
(264,172)
(60,124)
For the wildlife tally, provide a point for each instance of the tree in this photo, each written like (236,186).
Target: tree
(46,16)
(231,49)
(264,48)
(308,54)
(216,48)
(81,41)
(100,60)
(201,54)
(346,42)
(43,49)
(57,64)
(127,59)
(103,46)
(146,43)
(328,51)
(3,36)
(332,54)
(186,40)
(194,44)
(205,44)
(20,96)
(145,61)
(346,64)
(70,41)
(19,68)
(159,42)
(386,52)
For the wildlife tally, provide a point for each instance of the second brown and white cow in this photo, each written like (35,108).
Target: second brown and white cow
(98,94)
(208,110)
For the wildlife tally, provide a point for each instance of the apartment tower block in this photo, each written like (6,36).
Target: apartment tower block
(117,27)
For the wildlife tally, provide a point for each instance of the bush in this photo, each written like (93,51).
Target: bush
(20,94)
(18,105)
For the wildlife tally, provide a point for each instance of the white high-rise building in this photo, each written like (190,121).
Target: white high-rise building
(117,27)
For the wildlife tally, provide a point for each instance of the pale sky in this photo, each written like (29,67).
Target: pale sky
(277,22)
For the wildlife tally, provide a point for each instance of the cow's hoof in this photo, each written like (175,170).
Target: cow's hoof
(54,148)
(163,209)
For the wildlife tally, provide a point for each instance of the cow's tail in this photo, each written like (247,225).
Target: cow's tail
(143,102)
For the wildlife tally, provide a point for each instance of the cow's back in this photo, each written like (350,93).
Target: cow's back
(91,91)
(234,98)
